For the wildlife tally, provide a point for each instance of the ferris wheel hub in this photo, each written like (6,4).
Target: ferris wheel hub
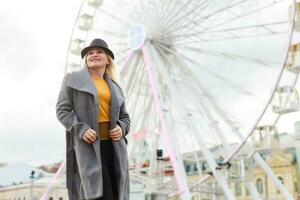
(136,37)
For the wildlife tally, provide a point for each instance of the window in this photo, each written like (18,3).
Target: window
(195,167)
(187,168)
(281,180)
(51,198)
(204,166)
(60,198)
(260,186)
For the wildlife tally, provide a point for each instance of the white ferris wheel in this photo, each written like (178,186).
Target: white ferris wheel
(205,81)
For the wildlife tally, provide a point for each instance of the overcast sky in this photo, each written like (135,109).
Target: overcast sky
(34,37)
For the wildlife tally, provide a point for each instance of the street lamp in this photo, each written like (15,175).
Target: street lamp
(31,183)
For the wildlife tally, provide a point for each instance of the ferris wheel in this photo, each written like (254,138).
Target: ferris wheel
(202,79)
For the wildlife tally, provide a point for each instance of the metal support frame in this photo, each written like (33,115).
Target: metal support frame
(175,156)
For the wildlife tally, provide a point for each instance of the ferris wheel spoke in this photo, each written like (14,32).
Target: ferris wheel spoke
(198,22)
(175,156)
(122,52)
(207,109)
(264,63)
(203,30)
(145,6)
(180,18)
(233,36)
(129,58)
(236,87)
(131,78)
(123,44)
(136,75)
(233,85)
(173,93)
(253,28)
(226,115)
(236,17)
(164,10)
(173,14)
(225,8)
(140,15)
(146,112)
(138,93)
(209,71)
(142,115)
(115,18)
(203,41)
(139,97)
(218,107)
(211,161)
(187,22)
(109,33)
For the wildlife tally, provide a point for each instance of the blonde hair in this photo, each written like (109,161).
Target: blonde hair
(110,68)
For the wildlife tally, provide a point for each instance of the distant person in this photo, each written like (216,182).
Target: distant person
(91,107)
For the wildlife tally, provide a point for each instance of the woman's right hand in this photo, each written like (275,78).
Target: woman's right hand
(89,136)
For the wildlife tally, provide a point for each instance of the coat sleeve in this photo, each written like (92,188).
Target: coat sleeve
(124,120)
(64,110)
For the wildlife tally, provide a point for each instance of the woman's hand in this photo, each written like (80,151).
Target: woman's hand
(116,133)
(89,136)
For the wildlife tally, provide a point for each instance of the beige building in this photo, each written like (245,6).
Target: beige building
(36,189)
(283,158)
(285,168)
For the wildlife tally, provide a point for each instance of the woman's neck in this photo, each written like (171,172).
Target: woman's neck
(97,73)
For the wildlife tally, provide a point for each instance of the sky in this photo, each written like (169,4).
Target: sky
(34,40)
(34,37)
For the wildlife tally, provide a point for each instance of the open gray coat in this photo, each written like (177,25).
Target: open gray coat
(77,109)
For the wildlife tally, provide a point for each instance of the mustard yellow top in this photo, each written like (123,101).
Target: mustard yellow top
(104,96)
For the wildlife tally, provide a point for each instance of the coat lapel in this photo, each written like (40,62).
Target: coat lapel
(82,81)
(114,104)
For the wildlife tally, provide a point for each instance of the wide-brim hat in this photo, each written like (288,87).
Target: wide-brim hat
(99,43)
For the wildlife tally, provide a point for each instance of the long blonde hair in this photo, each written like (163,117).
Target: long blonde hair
(110,68)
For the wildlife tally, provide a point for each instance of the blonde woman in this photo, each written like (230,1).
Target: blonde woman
(91,107)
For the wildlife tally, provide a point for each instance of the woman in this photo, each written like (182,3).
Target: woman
(92,109)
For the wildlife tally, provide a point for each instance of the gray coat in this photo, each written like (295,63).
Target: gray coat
(77,109)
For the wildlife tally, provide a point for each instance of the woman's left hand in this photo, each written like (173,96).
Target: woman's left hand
(115,133)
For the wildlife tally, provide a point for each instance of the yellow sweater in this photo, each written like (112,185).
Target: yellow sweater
(104,96)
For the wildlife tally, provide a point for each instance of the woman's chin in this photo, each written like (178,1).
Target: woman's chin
(96,66)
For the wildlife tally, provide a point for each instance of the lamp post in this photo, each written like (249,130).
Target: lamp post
(31,184)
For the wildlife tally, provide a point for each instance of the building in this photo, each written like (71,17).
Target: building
(16,184)
(281,153)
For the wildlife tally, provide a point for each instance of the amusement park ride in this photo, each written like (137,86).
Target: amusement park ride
(206,83)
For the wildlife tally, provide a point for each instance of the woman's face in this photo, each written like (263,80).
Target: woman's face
(97,58)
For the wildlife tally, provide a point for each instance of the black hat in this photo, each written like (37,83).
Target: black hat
(97,43)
